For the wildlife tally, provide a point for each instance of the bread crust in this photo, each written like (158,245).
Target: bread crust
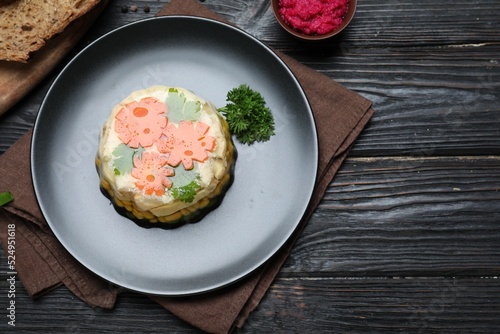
(26,25)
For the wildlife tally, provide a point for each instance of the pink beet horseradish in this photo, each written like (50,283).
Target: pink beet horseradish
(313,17)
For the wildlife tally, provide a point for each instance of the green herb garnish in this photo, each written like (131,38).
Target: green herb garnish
(247,115)
(179,108)
(6,197)
(124,158)
(185,183)
(186,193)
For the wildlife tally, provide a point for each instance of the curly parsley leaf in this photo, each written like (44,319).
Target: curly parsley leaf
(247,115)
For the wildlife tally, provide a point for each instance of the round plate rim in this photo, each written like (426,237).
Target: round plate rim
(38,192)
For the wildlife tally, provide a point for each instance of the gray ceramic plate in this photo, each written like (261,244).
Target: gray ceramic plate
(273,180)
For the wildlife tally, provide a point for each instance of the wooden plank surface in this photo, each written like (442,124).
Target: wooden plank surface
(406,217)
(361,305)
(407,237)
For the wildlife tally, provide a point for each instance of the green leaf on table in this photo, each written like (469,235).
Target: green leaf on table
(6,197)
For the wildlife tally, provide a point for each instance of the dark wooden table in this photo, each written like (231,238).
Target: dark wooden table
(407,237)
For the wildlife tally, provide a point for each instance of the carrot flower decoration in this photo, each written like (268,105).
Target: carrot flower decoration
(186,143)
(141,123)
(151,174)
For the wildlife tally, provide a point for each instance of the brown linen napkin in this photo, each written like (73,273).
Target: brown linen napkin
(44,264)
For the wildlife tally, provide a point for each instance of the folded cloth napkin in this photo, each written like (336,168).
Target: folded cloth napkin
(43,264)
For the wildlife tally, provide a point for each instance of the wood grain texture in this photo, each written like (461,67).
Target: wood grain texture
(380,305)
(405,217)
(407,236)
(296,305)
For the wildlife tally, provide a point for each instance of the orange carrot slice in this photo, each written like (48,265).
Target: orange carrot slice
(186,143)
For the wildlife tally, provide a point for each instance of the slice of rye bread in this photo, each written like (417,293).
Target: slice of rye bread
(25,25)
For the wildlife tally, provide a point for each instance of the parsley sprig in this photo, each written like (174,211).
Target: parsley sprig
(247,115)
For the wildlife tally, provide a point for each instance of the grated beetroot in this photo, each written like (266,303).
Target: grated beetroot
(313,17)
